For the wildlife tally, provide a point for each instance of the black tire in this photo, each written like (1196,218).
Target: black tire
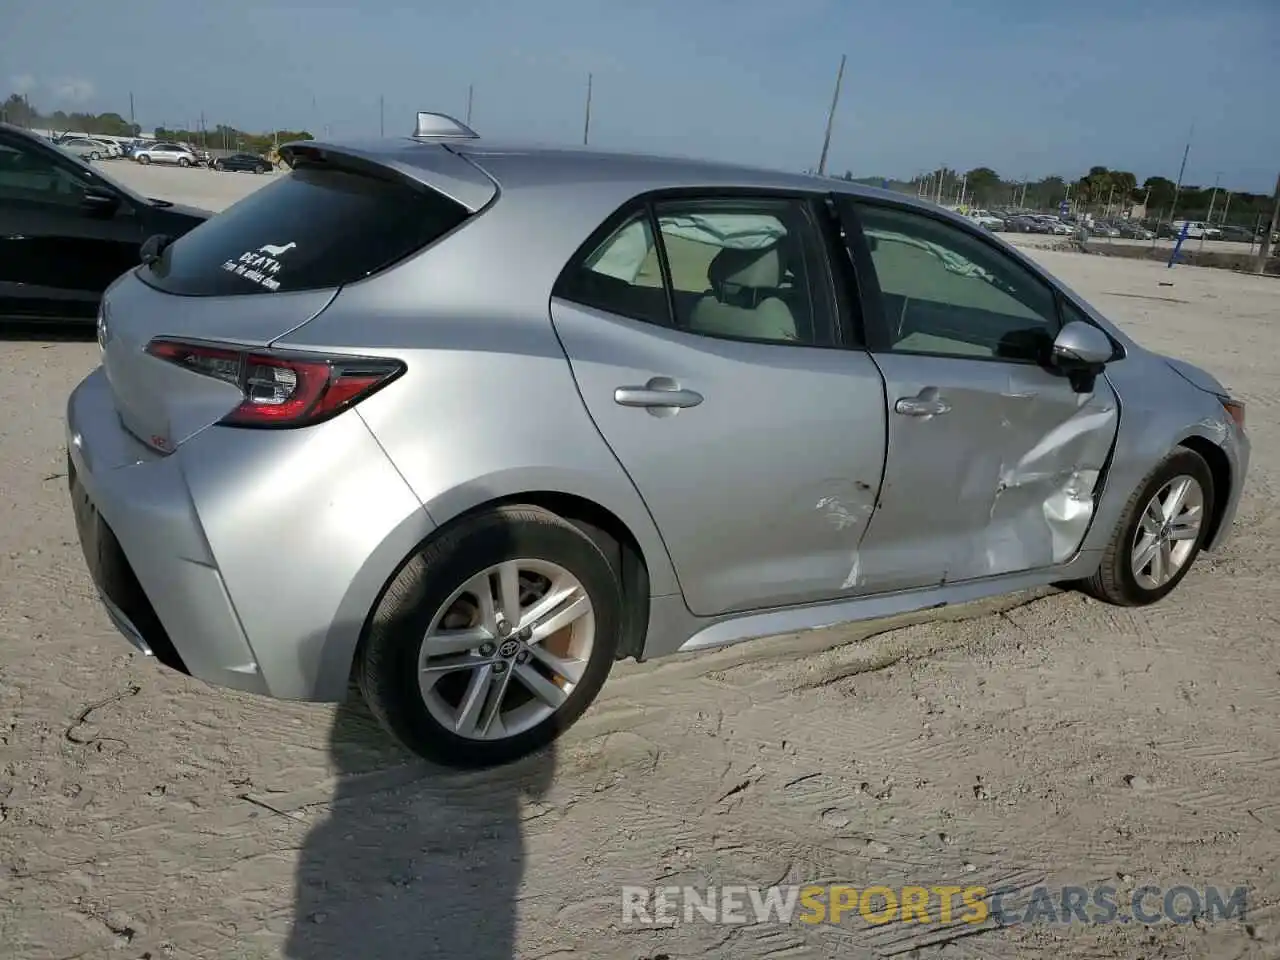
(387,664)
(259,169)
(144,159)
(184,162)
(1114,581)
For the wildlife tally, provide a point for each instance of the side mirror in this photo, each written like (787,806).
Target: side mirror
(1082,346)
(153,247)
(100,201)
(1082,351)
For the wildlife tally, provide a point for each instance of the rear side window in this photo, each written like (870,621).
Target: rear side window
(311,230)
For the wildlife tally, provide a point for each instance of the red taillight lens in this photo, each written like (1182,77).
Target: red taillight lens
(281,389)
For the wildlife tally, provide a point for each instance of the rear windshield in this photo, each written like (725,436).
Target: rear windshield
(311,230)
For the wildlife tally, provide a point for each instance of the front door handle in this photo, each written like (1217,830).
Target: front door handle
(659,392)
(922,406)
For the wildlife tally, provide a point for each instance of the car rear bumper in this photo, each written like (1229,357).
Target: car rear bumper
(247,559)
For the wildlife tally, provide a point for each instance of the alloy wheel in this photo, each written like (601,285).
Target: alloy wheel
(1167,532)
(506,650)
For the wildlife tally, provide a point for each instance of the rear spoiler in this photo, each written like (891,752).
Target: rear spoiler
(413,162)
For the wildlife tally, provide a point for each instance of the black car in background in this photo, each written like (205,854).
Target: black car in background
(243,161)
(67,231)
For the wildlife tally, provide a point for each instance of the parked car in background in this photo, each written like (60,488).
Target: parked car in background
(1131,230)
(67,231)
(329,362)
(985,218)
(1026,223)
(171,153)
(1104,228)
(1235,233)
(1195,229)
(112,148)
(83,147)
(243,161)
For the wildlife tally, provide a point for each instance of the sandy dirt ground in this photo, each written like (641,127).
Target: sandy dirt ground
(1039,739)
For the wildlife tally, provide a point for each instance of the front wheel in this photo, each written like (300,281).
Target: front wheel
(184,162)
(144,159)
(493,639)
(1159,535)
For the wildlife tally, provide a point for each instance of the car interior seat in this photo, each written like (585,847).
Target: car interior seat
(744,298)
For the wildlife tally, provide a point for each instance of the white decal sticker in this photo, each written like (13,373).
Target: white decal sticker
(260,266)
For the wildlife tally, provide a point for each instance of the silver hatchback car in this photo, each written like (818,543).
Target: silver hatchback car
(470,422)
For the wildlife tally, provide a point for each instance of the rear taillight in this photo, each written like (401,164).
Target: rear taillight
(281,389)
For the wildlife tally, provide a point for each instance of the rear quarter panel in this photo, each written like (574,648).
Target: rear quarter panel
(488,407)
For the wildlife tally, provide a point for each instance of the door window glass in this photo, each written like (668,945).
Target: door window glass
(948,292)
(622,275)
(742,268)
(27,173)
(746,268)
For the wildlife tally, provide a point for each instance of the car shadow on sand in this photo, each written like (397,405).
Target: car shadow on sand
(413,860)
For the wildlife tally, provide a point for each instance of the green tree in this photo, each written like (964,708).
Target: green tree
(983,184)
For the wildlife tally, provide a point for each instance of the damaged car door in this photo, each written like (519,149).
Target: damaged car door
(994,453)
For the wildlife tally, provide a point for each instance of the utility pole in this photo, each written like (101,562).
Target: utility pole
(132,122)
(1264,251)
(382,116)
(1177,188)
(942,176)
(1225,208)
(471,91)
(586,126)
(831,119)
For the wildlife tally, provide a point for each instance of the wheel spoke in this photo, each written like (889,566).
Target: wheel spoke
(451,664)
(572,605)
(1145,551)
(1167,567)
(540,686)
(471,707)
(1184,531)
(507,599)
(444,642)
(1172,505)
(492,714)
(1157,564)
(570,669)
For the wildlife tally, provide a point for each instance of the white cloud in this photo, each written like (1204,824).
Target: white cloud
(73,90)
(23,83)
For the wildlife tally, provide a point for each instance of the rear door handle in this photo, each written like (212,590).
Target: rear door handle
(922,406)
(658,392)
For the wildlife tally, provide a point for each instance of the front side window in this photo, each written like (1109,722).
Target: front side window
(948,292)
(31,174)
(743,268)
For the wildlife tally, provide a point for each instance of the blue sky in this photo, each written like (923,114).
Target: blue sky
(1029,87)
